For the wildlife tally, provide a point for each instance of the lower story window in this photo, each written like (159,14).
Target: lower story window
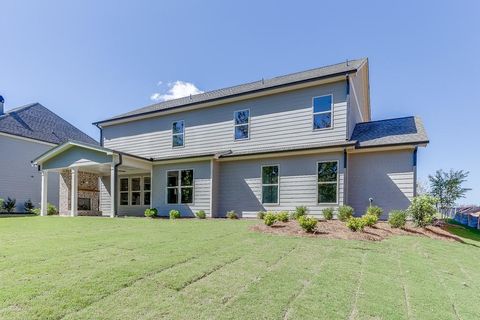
(270,184)
(180,186)
(133,193)
(327,176)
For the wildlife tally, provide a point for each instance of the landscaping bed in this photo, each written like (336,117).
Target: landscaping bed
(335,229)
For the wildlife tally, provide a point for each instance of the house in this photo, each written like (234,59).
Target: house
(301,139)
(26,132)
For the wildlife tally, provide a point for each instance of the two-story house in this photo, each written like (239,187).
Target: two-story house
(301,139)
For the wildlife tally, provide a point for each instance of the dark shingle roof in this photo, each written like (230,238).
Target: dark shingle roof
(34,121)
(309,75)
(408,130)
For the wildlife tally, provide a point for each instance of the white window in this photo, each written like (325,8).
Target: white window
(180,186)
(124,191)
(147,188)
(270,184)
(178,134)
(327,178)
(135,191)
(322,112)
(242,124)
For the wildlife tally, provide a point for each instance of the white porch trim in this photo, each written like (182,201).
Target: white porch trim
(44,194)
(74,193)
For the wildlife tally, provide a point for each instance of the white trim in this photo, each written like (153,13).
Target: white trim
(267,185)
(59,149)
(337,182)
(241,124)
(174,161)
(120,191)
(177,134)
(151,187)
(13,136)
(132,191)
(322,112)
(179,186)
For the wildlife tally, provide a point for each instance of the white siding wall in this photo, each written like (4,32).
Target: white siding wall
(18,179)
(278,120)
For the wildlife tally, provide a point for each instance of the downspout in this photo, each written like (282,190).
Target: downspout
(115,172)
(348,106)
(101,133)
(414,163)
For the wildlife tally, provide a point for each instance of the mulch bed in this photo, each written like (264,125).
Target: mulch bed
(335,229)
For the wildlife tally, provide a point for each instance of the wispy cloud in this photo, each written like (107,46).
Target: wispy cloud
(175,90)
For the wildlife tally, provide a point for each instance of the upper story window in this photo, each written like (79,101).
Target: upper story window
(327,175)
(242,124)
(322,112)
(178,134)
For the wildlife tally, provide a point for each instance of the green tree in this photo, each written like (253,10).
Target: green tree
(447,187)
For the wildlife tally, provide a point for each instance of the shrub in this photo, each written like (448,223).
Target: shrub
(9,205)
(356,224)
(307,223)
(282,216)
(151,212)
(51,209)
(201,214)
(36,211)
(232,215)
(174,214)
(300,211)
(328,213)
(260,214)
(28,205)
(1,203)
(397,218)
(423,210)
(370,219)
(345,213)
(375,210)
(269,218)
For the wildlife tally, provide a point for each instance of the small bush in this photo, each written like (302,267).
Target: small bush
(9,205)
(260,214)
(1,203)
(36,211)
(283,216)
(397,218)
(28,206)
(375,210)
(174,214)
(269,218)
(328,213)
(370,219)
(307,223)
(51,209)
(356,224)
(422,210)
(232,215)
(201,214)
(300,211)
(345,213)
(150,213)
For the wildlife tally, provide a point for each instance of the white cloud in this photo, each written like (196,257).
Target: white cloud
(177,89)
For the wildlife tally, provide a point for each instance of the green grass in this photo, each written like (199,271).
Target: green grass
(95,268)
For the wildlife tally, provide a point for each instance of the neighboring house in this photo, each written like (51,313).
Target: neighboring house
(302,139)
(25,133)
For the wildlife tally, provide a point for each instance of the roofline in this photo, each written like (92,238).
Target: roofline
(333,75)
(20,137)
(413,143)
(389,119)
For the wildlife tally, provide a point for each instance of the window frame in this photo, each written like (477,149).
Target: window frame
(337,182)
(145,191)
(243,124)
(322,112)
(277,184)
(120,191)
(179,186)
(177,134)
(130,191)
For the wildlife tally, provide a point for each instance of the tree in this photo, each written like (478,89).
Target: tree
(447,187)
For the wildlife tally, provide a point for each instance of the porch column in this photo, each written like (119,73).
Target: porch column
(74,195)
(113,190)
(44,194)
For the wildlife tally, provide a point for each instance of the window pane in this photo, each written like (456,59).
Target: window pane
(124,199)
(327,172)
(241,117)
(269,194)
(187,195)
(172,180)
(322,120)
(327,193)
(124,184)
(135,198)
(135,184)
(241,132)
(178,127)
(146,183)
(172,195)
(187,178)
(177,140)
(270,175)
(146,198)
(321,104)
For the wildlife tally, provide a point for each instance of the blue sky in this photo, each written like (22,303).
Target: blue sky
(89,60)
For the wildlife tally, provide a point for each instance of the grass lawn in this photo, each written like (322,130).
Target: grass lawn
(99,268)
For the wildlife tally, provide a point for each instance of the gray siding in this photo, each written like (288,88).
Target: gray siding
(202,181)
(105,202)
(387,177)
(357,99)
(215,187)
(278,120)
(240,184)
(18,179)
(76,155)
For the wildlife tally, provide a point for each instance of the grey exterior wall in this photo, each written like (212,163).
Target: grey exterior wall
(388,177)
(278,120)
(18,179)
(240,184)
(202,188)
(105,202)
(76,155)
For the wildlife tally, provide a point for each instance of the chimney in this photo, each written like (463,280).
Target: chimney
(2,101)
